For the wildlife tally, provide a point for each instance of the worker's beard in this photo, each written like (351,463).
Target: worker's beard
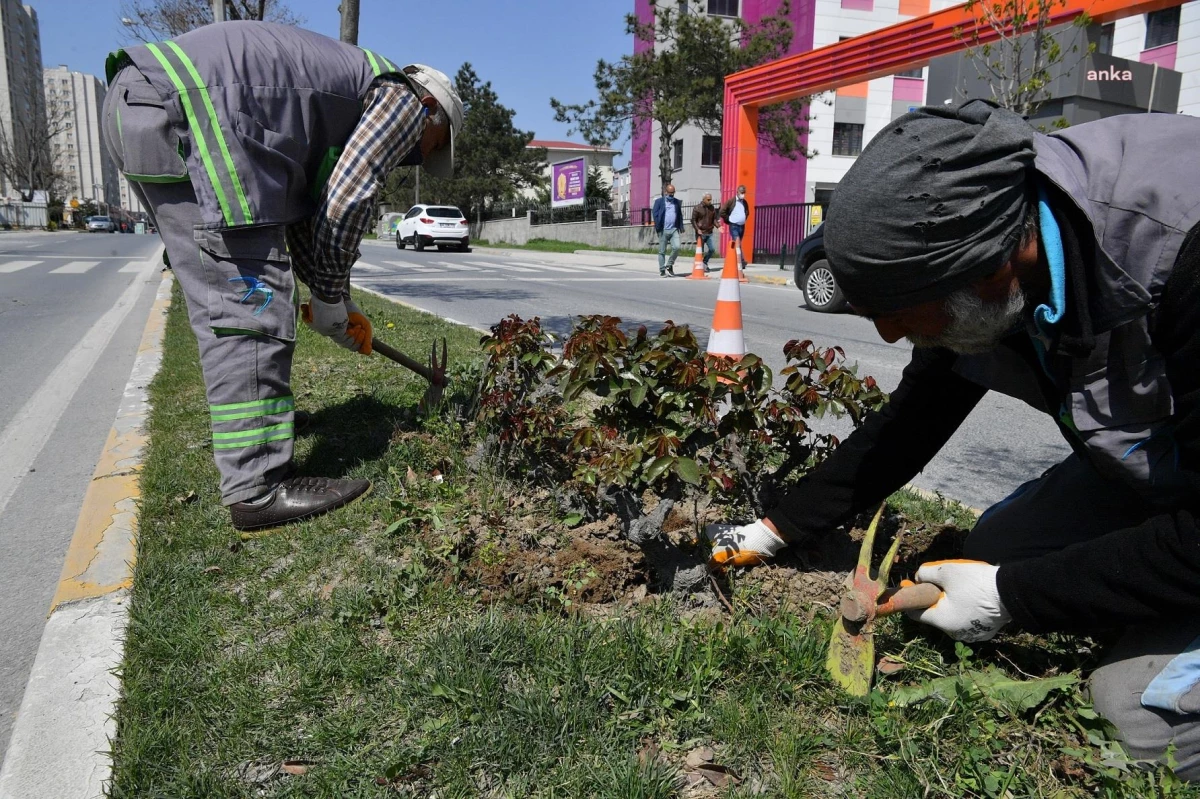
(976,326)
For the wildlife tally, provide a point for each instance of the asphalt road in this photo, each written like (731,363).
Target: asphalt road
(1002,444)
(72,310)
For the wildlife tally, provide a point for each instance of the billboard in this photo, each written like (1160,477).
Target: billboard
(567,182)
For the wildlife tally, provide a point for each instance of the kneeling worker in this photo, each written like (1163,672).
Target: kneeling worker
(1063,270)
(260,149)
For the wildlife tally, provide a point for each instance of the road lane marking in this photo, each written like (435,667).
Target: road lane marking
(31,427)
(74,268)
(133,266)
(17,266)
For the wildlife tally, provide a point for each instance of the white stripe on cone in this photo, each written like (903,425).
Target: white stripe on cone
(730,290)
(727,342)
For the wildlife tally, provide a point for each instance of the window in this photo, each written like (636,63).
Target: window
(710,151)
(1162,27)
(919,72)
(1105,45)
(723,8)
(847,138)
(677,154)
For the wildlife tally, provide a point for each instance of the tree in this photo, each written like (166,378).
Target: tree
(679,79)
(491,160)
(26,161)
(155,20)
(1017,67)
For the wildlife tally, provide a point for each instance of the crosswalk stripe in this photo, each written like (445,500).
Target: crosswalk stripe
(549,268)
(414,267)
(511,267)
(74,268)
(363,265)
(457,267)
(132,266)
(17,266)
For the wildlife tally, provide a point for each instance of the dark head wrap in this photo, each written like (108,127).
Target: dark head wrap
(934,202)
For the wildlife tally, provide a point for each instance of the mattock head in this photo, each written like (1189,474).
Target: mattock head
(437,379)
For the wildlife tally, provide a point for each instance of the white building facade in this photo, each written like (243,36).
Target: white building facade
(74,104)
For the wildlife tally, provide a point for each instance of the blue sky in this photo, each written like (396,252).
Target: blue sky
(531,50)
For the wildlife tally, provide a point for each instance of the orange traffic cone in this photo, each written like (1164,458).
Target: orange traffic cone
(726,339)
(698,272)
(741,264)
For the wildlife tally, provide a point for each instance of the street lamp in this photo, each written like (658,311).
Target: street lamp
(99,197)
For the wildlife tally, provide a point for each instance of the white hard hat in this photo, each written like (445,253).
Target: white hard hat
(439,163)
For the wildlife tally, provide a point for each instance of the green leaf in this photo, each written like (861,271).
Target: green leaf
(688,471)
(637,394)
(992,683)
(572,519)
(658,467)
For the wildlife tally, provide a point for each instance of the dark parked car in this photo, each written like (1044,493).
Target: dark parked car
(813,276)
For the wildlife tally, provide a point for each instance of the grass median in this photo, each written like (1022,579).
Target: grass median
(451,635)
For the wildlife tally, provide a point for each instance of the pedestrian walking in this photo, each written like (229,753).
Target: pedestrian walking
(735,212)
(704,222)
(259,150)
(668,223)
(1063,270)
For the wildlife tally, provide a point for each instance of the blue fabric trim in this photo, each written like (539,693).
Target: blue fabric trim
(1176,679)
(1046,316)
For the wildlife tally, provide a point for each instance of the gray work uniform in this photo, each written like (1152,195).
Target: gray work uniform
(227,134)
(1117,410)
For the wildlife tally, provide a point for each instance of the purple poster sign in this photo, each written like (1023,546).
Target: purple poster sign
(567,181)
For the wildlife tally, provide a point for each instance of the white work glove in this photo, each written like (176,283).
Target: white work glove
(970,608)
(341,321)
(748,545)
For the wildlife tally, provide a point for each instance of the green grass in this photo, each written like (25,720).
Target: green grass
(550,245)
(357,647)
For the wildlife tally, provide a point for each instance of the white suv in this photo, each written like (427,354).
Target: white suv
(426,225)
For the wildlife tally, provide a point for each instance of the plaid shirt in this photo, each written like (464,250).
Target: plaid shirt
(325,246)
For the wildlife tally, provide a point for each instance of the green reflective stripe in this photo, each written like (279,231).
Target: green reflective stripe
(245,436)
(216,127)
(156,178)
(198,132)
(391,67)
(120,135)
(255,442)
(374,63)
(240,406)
(282,405)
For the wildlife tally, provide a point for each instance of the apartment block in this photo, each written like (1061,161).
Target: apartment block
(74,102)
(1160,52)
(22,109)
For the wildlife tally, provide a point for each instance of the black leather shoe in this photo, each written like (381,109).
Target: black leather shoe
(300,421)
(294,499)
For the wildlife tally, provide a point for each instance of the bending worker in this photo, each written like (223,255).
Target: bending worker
(1063,270)
(259,149)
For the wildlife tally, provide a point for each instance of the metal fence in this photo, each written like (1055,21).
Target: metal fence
(546,215)
(779,229)
(21,215)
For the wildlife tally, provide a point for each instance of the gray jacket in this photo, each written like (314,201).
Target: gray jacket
(261,110)
(1118,402)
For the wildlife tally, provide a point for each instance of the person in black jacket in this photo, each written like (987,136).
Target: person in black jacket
(1064,270)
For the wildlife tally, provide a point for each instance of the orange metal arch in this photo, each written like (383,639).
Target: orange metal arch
(877,54)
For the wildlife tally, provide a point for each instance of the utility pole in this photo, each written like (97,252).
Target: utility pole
(218,7)
(349,9)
